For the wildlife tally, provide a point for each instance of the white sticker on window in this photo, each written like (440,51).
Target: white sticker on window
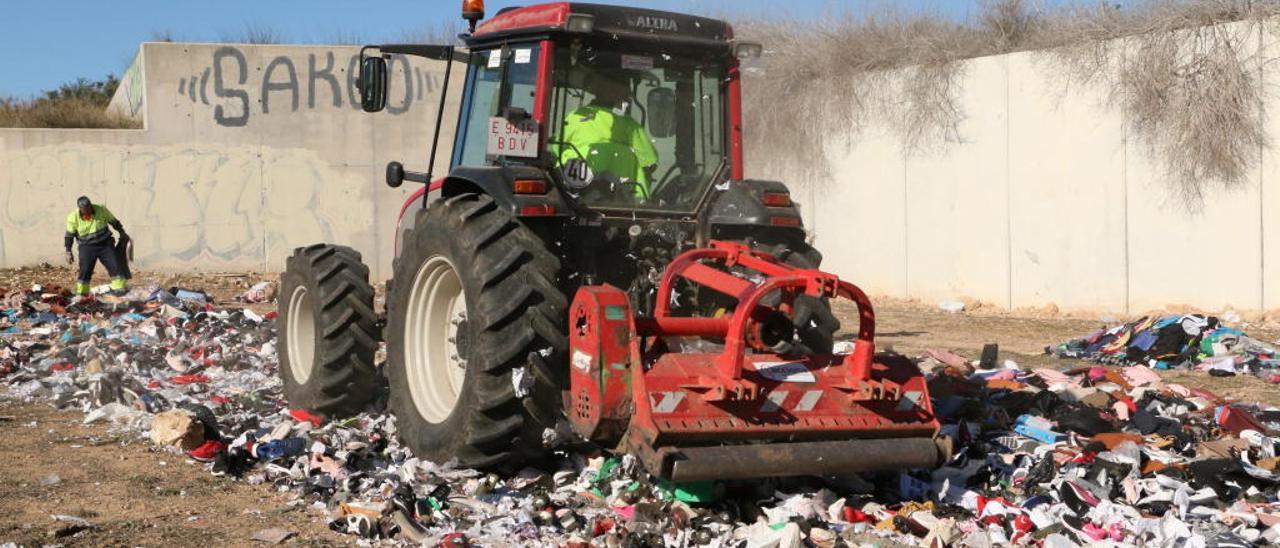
(495,58)
(637,62)
(523,56)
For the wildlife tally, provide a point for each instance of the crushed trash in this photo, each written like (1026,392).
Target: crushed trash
(261,292)
(1081,455)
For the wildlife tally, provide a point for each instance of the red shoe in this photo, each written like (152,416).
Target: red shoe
(207,451)
(302,415)
(189,379)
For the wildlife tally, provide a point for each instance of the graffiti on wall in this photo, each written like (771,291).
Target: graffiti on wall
(132,86)
(128,98)
(236,91)
(212,207)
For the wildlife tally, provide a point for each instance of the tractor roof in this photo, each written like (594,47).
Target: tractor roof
(612,21)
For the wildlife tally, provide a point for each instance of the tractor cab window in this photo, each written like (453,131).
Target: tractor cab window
(484,99)
(637,129)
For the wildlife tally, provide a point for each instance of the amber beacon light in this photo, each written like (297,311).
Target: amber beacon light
(473,11)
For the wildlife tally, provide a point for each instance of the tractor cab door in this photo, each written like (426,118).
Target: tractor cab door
(499,121)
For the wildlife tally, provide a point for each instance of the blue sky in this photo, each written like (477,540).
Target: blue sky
(43,44)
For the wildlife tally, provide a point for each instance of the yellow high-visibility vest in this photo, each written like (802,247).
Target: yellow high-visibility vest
(610,143)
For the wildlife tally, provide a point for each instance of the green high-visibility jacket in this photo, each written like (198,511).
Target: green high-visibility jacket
(610,143)
(92,230)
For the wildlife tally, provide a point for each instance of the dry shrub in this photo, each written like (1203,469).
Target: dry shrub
(78,104)
(253,33)
(1186,83)
(69,113)
(1185,75)
(836,76)
(832,78)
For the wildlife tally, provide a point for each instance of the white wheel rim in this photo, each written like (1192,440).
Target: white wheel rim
(435,316)
(301,332)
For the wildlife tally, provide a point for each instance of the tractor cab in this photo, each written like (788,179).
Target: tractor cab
(588,110)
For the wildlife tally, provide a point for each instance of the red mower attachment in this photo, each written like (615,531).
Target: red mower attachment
(755,408)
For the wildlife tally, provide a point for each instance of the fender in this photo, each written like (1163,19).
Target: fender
(498,182)
(741,206)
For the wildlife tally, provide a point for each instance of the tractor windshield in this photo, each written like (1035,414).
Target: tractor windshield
(637,130)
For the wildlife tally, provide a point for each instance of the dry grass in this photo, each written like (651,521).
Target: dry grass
(253,33)
(71,113)
(1186,83)
(79,104)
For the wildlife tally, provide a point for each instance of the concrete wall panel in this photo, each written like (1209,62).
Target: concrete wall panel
(957,206)
(1207,256)
(1268,206)
(858,224)
(1066,192)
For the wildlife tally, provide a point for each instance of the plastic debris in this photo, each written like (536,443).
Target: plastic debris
(261,292)
(1076,456)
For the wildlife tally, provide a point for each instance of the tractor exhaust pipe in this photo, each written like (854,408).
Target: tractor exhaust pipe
(797,458)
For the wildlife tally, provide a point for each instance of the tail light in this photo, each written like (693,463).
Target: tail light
(543,210)
(784,221)
(530,186)
(776,199)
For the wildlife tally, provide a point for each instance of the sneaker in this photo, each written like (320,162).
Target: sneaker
(207,451)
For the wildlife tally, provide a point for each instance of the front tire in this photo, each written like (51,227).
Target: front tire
(328,331)
(475,317)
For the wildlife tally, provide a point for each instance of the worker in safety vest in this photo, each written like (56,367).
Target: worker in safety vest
(88,224)
(600,138)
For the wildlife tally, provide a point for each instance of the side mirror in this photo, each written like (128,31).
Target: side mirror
(395,174)
(661,104)
(373,83)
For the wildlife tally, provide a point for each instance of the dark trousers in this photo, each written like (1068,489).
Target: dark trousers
(90,254)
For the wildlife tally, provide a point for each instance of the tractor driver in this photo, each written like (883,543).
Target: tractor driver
(600,138)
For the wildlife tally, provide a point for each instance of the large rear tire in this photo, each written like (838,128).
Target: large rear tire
(328,331)
(475,317)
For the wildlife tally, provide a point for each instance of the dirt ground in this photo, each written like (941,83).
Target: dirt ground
(136,495)
(131,494)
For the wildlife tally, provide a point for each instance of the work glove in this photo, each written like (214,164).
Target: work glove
(577,174)
(71,259)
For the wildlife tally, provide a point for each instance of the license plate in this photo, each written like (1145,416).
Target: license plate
(508,139)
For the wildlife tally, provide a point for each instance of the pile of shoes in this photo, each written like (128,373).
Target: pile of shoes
(1173,341)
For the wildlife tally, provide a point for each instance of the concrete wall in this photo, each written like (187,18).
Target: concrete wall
(247,152)
(1046,198)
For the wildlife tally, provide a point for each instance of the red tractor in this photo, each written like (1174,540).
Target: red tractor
(596,258)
